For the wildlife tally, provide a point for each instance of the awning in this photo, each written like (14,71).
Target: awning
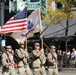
(58,30)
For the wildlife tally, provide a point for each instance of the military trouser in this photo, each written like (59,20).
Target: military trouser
(28,70)
(52,71)
(43,71)
(21,70)
(25,70)
(10,71)
(5,73)
(36,71)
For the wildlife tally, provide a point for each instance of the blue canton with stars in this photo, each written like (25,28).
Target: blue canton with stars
(21,15)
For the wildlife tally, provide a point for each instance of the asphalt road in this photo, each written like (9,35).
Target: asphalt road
(60,73)
(67,73)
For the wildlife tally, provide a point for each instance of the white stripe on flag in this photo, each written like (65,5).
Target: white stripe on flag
(34,19)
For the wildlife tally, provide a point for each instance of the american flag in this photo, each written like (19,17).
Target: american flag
(34,26)
(17,23)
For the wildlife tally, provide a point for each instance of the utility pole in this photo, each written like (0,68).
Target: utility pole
(1,19)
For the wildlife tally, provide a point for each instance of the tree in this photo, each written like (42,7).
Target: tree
(65,12)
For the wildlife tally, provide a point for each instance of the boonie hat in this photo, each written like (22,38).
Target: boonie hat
(37,44)
(7,47)
(22,43)
(53,47)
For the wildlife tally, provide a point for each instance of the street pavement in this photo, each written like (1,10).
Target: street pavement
(67,73)
(63,72)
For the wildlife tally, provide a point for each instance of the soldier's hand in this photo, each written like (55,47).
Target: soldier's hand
(25,49)
(42,50)
(43,63)
(27,56)
(55,61)
(10,64)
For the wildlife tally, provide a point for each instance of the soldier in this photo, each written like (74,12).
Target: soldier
(52,62)
(8,62)
(23,67)
(38,60)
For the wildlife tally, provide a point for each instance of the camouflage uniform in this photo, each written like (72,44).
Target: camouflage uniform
(7,68)
(23,66)
(52,64)
(36,62)
(39,60)
(43,61)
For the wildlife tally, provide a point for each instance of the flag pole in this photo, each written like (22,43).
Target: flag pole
(26,38)
(41,37)
(41,40)
(26,29)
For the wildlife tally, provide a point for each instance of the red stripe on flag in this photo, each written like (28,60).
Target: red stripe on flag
(14,26)
(28,32)
(8,27)
(11,18)
(14,30)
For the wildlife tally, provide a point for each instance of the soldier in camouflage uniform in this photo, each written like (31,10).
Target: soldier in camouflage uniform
(38,61)
(8,62)
(52,62)
(23,66)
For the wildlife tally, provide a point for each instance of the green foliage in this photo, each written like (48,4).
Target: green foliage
(65,12)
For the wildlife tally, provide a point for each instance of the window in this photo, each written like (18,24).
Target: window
(11,0)
(14,6)
(7,2)
(74,4)
(34,0)
(59,5)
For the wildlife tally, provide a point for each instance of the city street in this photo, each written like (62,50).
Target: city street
(37,36)
(68,73)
